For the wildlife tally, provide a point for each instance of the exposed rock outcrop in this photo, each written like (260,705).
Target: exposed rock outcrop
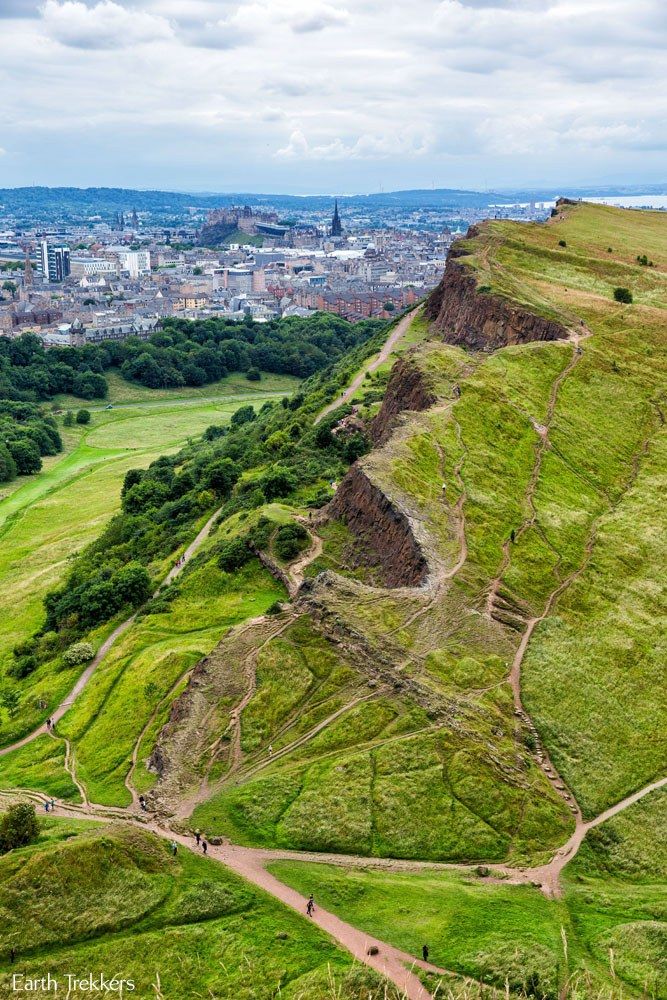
(408,389)
(381,528)
(480,321)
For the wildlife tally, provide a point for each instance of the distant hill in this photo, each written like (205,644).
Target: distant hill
(63,202)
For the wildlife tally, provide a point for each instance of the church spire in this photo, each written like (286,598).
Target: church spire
(336,225)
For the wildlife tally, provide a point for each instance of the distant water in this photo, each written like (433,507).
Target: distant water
(634,200)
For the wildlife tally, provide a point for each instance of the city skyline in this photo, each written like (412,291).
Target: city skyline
(330,96)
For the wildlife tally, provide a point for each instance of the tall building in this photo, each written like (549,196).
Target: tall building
(336,225)
(54,259)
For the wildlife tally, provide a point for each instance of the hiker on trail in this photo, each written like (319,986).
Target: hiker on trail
(512,535)
(142,803)
(174,848)
(53,804)
(46,805)
(270,749)
(204,846)
(12,954)
(48,723)
(310,905)
(425,952)
(197,837)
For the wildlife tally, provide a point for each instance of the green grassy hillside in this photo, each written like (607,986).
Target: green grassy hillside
(113,899)
(561,444)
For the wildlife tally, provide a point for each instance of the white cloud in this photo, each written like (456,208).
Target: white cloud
(107,25)
(365,147)
(322,93)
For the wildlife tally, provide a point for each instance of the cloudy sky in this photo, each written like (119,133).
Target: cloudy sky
(341,96)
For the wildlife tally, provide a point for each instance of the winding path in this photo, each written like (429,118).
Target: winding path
(82,681)
(390,343)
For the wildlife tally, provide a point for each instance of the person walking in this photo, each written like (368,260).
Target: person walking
(310,905)
(204,846)
(53,804)
(174,848)
(425,952)
(46,805)
(197,837)
(12,954)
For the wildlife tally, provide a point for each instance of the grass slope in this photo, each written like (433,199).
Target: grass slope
(56,513)
(113,900)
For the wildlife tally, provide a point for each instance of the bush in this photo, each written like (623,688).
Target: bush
(233,555)
(562,243)
(290,540)
(253,375)
(22,667)
(18,827)
(623,295)
(80,652)
(243,415)
(83,417)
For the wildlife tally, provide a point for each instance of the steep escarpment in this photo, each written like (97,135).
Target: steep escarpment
(475,319)
(408,389)
(382,529)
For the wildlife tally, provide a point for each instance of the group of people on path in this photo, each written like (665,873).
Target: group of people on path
(49,725)
(201,841)
(49,805)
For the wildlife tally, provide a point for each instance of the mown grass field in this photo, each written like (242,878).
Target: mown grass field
(112,899)
(48,517)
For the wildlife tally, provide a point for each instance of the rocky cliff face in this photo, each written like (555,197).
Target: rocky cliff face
(408,389)
(381,528)
(479,321)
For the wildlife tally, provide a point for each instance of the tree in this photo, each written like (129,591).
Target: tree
(197,270)
(253,375)
(26,456)
(10,286)
(221,476)
(89,385)
(83,416)
(623,295)
(7,465)
(277,483)
(389,307)
(68,419)
(18,827)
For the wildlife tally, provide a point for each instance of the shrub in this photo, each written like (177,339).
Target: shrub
(623,295)
(83,417)
(290,540)
(562,243)
(22,667)
(243,415)
(18,827)
(253,375)
(233,555)
(80,652)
